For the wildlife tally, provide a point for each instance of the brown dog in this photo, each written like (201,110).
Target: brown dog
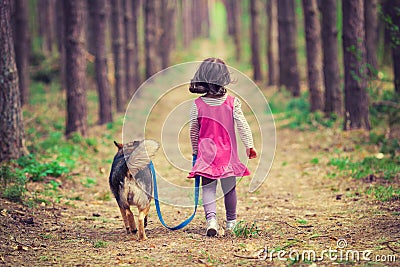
(131,182)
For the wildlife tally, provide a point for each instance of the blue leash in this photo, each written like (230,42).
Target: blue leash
(196,199)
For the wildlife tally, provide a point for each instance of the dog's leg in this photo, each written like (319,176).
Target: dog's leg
(124,217)
(131,221)
(142,215)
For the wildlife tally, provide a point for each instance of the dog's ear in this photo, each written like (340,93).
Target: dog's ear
(118,145)
(151,147)
(140,157)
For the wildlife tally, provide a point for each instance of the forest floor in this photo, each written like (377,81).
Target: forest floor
(299,210)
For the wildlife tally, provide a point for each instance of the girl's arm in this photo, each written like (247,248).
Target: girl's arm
(243,129)
(194,128)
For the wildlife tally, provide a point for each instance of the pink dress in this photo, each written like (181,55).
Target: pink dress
(217,148)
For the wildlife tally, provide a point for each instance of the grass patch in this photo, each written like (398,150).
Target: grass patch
(89,182)
(244,229)
(51,154)
(386,168)
(296,112)
(36,171)
(384,193)
(372,169)
(12,183)
(100,244)
(302,221)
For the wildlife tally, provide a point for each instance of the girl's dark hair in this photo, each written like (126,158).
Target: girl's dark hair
(211,77)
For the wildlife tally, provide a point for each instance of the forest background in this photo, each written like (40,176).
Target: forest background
(329,70)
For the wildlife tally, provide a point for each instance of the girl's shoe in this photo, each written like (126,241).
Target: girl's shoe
(212,227)
(230,225)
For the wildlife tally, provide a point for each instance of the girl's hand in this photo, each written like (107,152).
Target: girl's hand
(251,153)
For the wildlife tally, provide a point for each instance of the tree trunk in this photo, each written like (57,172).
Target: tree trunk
(117,33)
(205,19)
(288,69)
(187,25)
(394,30)
(333,95)
(196,18)
(255,40)
(150,38)
(396,48)
(167,15)
(355,83)
(60,25)
(386,9)
(393,27)
(22,47)
(235,7)
(11,123)
(103,85)
(46,22)
(371,34)
(90,32)
(272,42)
(129,48)
(230,16)
(314,54)
(75,67)
(135,62)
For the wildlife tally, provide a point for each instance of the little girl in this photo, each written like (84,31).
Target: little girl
(212,132)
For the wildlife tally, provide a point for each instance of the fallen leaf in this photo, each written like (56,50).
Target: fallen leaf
(4,212)
(21,248)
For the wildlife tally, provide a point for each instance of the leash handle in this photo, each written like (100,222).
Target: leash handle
(196,198)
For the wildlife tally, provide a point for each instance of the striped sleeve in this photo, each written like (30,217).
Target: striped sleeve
(194,128)
(242,124)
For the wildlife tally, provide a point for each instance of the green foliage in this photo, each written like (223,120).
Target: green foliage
(243,229)
(297,112)
(106,196)
(52,155)
(385,107)
(38,92)
(44,69)
(89,182)
(387,146)
(12,183)
(302,221)
(384,168)
(13,180)
(278,102)
(384,113)
(36,171)
(100,244)
(384,193)
(90,69)
(392,27)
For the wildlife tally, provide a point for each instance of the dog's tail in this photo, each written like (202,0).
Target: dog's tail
(140,157)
